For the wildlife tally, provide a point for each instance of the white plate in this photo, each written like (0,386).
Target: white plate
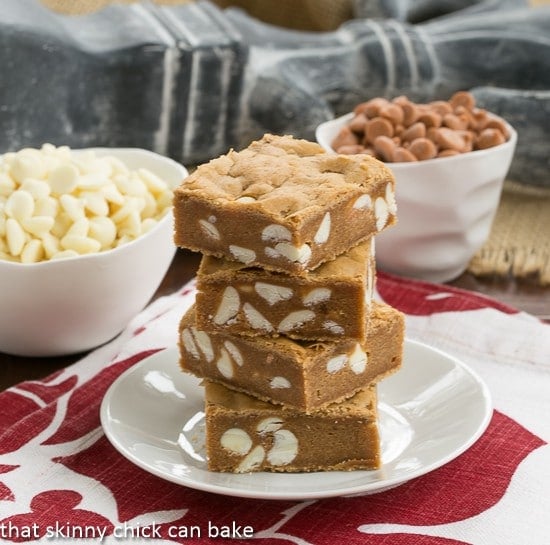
(431,411)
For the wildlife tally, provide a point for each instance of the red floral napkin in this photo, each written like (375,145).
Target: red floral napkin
(56,464)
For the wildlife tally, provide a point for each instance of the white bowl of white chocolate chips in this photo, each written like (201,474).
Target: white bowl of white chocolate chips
(447,194)
(86,237)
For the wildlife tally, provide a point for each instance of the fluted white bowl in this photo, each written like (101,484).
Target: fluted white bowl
(445,208)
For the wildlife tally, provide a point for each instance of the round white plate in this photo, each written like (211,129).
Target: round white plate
(430,411)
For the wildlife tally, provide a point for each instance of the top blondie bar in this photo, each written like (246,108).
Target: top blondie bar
(283,204)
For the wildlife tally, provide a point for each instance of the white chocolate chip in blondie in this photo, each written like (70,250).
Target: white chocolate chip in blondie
(253,459)
(285,448)
(279,382)
(363,202)
(337,363)
(316,296)
(209,229)
(189,343)
(271,293)
(322,234)
(295,320)
(229,306)
(300,254)
(236,440)
(381,213)
(256,319)
(333,327)
(390,199)
(244,255)
(276,233)
(235,353)
(204,343)
(224,364)
(269,425)
(358,360)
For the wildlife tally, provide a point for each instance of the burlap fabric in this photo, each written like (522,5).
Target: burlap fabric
(519,242)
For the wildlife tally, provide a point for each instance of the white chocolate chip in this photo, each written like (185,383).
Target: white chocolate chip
(279,382)
(381,213)
(55,195)
(358,360)
(189,343)
(292,253)
(235,353)
(390,199)
(295,320)
(269,425)
(337,363)
(363,202)
(80,244)
(20,205)
(276,233)
(244,255)
(256,319)
(224,364)
(209,229)
(333,327)
(252,460)
(204,343)
(39,189)
(236,441)
(15,237)
(32,252)
(27,165)
(38,226)
(229,306)
(322,234)
(285,448)
(271,293)
(316,296)
(245,199)
(63,179)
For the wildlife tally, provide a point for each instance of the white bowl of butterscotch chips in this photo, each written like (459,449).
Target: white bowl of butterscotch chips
(449,158)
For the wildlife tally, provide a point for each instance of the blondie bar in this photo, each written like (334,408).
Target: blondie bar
(244,434)
(283,204)
(328,303)
(301,374)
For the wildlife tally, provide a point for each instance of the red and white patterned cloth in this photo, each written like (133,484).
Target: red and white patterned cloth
(57,465)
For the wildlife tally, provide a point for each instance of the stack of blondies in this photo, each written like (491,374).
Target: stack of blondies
(284,330)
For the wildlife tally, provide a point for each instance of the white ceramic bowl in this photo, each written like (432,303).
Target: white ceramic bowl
(71,305)
(445,208)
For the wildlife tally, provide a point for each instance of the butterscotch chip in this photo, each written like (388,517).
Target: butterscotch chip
(346,137)
(357,124)
(488,138)
(376,127)
(423,148)
(299,374)
(414,131)
(283,204)
(244,434)
(402,155)
(329,303)
(464,99)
